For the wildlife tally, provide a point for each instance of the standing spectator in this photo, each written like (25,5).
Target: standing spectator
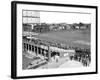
(57,57)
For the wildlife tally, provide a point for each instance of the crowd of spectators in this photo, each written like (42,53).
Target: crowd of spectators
(49,43)
(83,56)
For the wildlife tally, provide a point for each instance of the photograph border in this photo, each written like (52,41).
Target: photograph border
(14,38)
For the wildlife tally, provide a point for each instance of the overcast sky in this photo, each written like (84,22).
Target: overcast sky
(56,17)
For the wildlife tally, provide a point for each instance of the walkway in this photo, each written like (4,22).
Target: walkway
(70,64)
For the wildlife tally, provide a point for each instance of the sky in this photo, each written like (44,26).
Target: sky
(56,17)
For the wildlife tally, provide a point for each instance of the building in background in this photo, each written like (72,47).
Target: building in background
(30,19)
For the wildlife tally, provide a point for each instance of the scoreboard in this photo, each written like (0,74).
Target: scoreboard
(31,16)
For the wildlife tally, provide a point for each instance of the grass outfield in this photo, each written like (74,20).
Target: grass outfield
(71,38)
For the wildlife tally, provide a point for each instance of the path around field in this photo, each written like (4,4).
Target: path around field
(70,64)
